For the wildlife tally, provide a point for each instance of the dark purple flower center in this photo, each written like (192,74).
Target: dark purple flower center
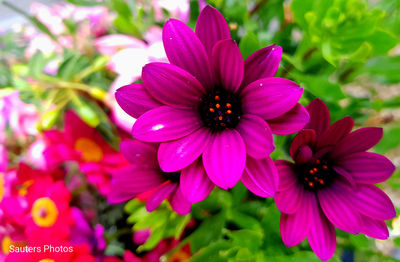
(315,176)
(174,177)
(220,109)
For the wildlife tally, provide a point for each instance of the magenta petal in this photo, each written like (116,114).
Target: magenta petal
(211,27)
(228,64)
(225,158)
(322,236)
(184,49)
(374,228)
(139,153)
(334,133)
(319,116)
(165,123)
(194,183)
(304,137)
(358,141)
(374,203)
(179,202)
(159,195)
(261,176)
(130,181)
(261,64)
(178,154)
(270,97)
(295,227)
(135,100)
(304,154)
(346,175)
(290,122)
(287,176)
(256,135)
(367,167)
(337,203)
(172,85)
(289,200)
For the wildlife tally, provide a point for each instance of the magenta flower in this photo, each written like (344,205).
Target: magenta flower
(209,102)
(145,176)
(331,183)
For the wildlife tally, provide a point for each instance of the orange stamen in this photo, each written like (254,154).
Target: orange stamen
(229,112)
(311,184)
(217,106)
(228,105)
(311,172)
(220,117)
(216,97)
(212,110)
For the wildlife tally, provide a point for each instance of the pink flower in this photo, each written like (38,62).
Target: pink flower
(145,175)
(331,183)
(123,50)
(20,117)
(84,144)
(178,9)
(210,106)
(3,161)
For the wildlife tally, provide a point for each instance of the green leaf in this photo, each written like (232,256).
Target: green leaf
(86,2)
(122,8)
(49,118)
(154,219)
(212,253)
(247,238)
(249,44)
(359,241)
(87,114)
(320,86)
(382,42)
(245,221)
(126,26)
(299,9)
(36,64)
(390,140)
(210,230)
(132,206)
(155,237)
(383,69)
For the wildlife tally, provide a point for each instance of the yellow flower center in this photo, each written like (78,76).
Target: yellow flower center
(47,260)
(1,186)
(90,150)
(44,212)
(6,242)
(5,245)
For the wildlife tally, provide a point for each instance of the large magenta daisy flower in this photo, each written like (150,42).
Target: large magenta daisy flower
(331,183)
(144,176)
(209,102)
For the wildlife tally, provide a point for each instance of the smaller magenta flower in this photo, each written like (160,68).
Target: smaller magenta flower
(331,183)
(209,105)
(145,176)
